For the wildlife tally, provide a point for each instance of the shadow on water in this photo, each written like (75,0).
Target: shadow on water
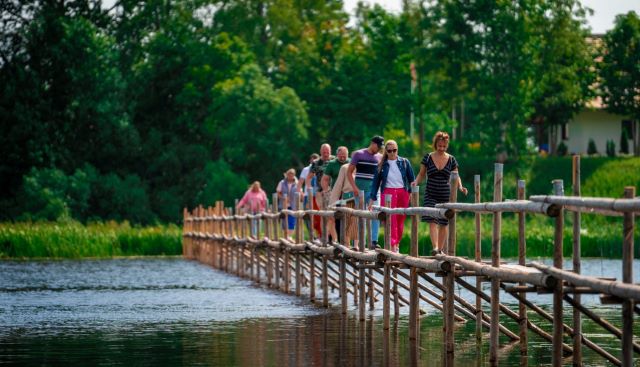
(168,312)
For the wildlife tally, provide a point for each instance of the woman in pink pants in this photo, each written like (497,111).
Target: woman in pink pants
(393,177)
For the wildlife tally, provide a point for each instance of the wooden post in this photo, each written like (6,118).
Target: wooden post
(449,278)
(478,258)
(287,255)
(361,243)
(256,252)
(239,232)
(343,266)
(577,319)
(495,262)
(522,256)
(386,295)
(453,197)
(268,233)
(558,328)
(414,290)
(627,277)
(220,230)
(298,237)
(325,271)
(325,281)
(312,259)
(370,284)
(276,231)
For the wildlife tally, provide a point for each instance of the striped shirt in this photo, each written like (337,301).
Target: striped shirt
(438,188)
(366,163)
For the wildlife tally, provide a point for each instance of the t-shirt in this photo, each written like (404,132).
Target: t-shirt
(366,163)
(305,172)
(394,177)
(333,168)
(317,168)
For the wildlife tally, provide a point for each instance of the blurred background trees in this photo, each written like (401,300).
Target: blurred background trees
(134,109)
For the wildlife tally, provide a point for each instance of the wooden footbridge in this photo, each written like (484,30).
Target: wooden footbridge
(268,256)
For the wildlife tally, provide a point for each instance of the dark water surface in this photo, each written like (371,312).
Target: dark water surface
(169,311)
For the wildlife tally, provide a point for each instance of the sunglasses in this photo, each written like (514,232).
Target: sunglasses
(392,150)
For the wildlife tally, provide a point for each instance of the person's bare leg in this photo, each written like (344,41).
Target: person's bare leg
(331,229)
(442,236)
(433,234)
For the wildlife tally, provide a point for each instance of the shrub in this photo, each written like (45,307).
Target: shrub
(611,148)
(591,148)
(562,149)
(50,194)
(624,142)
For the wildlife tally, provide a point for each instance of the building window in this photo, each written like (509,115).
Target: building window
(627,128)
(565,131)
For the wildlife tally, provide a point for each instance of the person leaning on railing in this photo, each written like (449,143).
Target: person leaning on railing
(342,194)
(393,177)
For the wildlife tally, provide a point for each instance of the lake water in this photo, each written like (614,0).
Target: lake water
(170,311)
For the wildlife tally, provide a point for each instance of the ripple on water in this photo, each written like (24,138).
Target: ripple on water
(42,296)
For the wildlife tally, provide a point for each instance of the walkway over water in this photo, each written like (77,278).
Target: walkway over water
(226,242)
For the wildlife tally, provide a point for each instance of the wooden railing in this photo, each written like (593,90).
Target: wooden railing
(268,256)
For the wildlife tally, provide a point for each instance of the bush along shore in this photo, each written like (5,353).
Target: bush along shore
(71,239)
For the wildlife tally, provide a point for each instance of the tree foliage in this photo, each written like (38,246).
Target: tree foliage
(138,110)
(620,69)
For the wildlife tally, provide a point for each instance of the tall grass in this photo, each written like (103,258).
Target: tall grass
(72,239)
(600,237)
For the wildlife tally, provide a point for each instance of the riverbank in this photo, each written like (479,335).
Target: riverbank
(71,239)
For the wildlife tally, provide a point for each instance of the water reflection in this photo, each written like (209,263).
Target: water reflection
(167,312)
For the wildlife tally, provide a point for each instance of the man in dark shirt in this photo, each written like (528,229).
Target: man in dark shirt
(365,163)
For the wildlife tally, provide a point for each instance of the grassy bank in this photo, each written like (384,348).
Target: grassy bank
(600,237)
(74,240)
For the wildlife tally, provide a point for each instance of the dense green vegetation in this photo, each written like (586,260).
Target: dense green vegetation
(132,110)
(71,239)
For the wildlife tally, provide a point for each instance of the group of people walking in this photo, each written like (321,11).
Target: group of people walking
(373,172)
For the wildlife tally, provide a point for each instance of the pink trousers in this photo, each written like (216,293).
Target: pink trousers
(399,199)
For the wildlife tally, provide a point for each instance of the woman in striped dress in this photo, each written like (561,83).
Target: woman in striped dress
(437,167)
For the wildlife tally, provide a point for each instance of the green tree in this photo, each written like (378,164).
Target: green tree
(619,71)
(483,51)
(564,67)
(272,122)
(61,97)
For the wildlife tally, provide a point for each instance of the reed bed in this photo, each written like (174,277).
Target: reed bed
(71,239)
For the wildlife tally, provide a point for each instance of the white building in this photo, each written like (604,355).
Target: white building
(594,122)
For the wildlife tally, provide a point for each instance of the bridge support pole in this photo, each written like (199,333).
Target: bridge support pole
(558,328)
(361,244)
(495,261)
(386,286)
(627,277)
(522,256)
(414,290)
(449,279)
(478,258)
(577,316)
(343,267)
